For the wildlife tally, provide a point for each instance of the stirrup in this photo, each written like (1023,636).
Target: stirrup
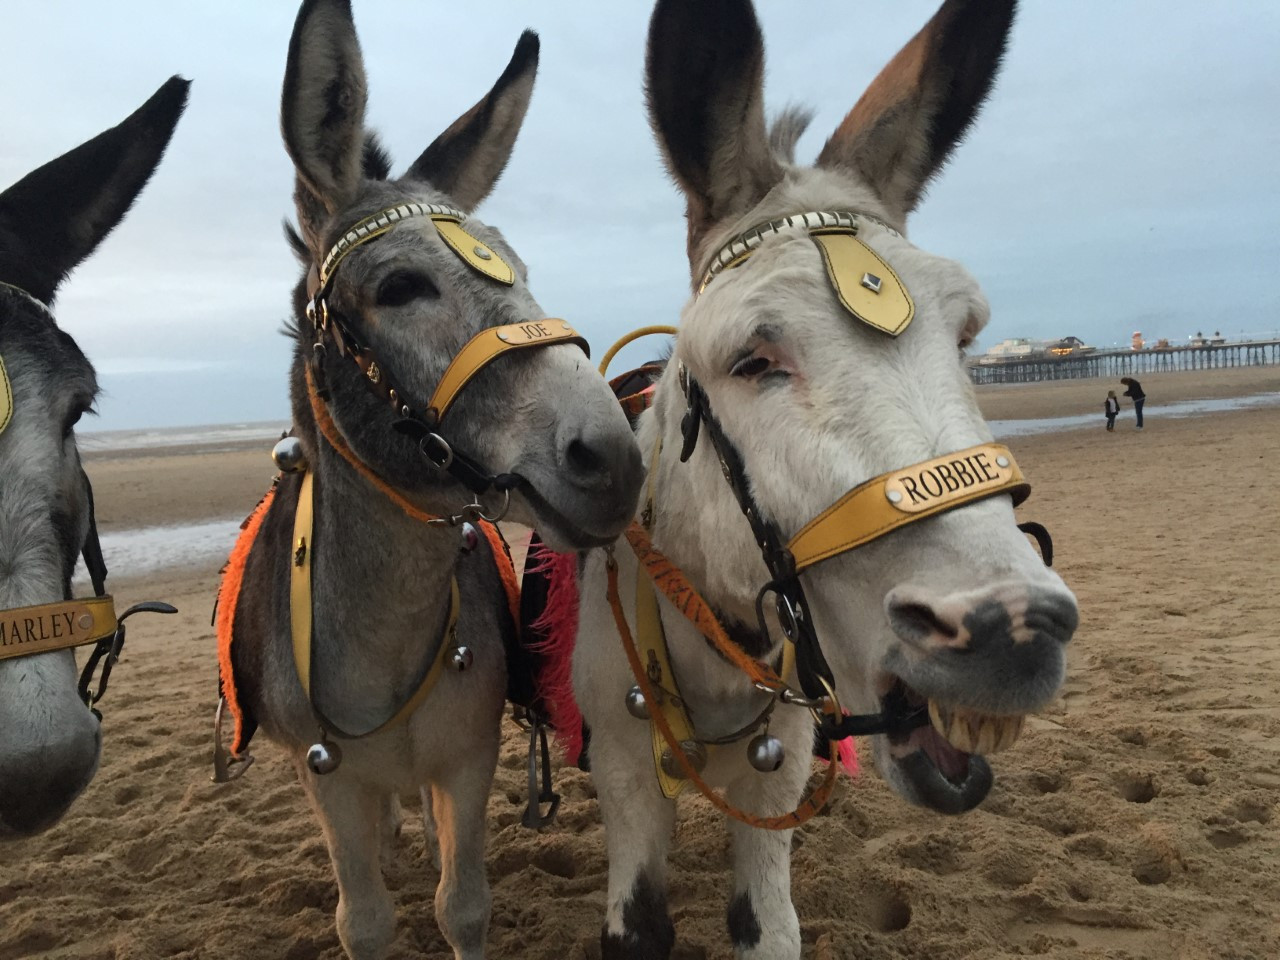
(533,817)
(226,766)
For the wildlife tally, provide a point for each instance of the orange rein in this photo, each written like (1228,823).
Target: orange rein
(676,588)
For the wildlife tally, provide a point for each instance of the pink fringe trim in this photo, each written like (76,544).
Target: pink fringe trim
(559,624)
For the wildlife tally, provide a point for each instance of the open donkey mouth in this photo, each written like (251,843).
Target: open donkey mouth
(944,759)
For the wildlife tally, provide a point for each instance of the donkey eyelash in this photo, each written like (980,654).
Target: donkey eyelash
(750,366)
(405,286)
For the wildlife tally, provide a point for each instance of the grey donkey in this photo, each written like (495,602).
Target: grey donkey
(50,221)
(381,581)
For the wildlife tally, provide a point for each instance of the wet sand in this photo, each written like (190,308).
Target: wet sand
(1135,818)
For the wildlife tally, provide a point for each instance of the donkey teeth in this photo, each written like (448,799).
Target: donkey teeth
(974,732)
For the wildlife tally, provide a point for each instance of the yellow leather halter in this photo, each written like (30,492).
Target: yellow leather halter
(6,397)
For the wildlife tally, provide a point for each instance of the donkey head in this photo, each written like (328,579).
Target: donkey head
(956,609)
(543,414)
(49,222)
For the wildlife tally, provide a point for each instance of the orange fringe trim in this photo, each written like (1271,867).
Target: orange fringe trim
(506,569)
(228,599)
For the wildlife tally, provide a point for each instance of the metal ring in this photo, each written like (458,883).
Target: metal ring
(506,505)
(435,438)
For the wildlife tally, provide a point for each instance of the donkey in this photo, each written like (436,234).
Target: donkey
(381,607)
(798,402)
(50,221)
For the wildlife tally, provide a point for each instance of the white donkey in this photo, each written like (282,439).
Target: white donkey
(819,362)
(50,221)
(425,375)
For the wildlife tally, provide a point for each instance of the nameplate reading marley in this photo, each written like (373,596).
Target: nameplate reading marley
(957,476)
(54,626)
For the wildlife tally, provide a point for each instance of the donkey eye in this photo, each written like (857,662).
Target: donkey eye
(749,367)
(70,423)
(405,286)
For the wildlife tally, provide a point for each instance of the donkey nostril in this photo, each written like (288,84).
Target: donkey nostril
(582,460)
(916,621)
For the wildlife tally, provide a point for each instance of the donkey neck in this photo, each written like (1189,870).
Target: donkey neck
(380,588)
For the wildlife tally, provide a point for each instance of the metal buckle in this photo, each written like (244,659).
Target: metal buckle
(434,439)
(226,766)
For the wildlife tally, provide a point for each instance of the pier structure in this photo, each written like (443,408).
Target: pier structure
(1120,363)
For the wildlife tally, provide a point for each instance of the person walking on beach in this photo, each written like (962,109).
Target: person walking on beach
(1134,392)
(1111,407)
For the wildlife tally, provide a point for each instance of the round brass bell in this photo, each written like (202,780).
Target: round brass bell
(470,537)
(766,753)
(324,757)
(694,752)
(288,455)
(637,706)
(461,658)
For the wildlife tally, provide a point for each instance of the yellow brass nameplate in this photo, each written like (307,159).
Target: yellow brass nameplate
(935,483)
(6,397)
(864,284)
(55,626)
(478,256)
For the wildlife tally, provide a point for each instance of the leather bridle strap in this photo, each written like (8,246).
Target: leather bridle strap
(300,619)
(487,346)
(900,497)
(56,626)
(807,808)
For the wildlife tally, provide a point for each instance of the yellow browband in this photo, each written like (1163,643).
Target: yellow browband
(56,626)
(900,497)
(863,282)
(300,612)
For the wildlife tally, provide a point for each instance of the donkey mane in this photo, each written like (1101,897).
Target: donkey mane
(787,129)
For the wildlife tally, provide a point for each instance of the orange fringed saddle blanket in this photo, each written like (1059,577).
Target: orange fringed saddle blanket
(229,595)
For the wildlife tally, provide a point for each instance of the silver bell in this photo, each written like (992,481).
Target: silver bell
(461,658)
(324,757)
(766,753)
(637,706)
(470,537)
(288,455)
(694,752)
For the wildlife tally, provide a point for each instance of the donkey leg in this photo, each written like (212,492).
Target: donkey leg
(458,801)
(762,918)
(392,822)
(639,823)
(351,814)
(430,837)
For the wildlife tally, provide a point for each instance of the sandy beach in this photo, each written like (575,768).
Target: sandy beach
(1135,819)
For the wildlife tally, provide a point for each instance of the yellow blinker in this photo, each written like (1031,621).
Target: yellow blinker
(865,285)
(6,398)
(479,256)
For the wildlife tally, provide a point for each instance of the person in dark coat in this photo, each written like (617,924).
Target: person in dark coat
(1111,408)
(1134,392)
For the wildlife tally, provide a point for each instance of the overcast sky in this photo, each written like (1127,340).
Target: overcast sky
(1123,176)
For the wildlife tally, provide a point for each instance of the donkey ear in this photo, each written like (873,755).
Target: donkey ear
(322,109)
(704,78)
(466,160)
(62,211)
(898,136)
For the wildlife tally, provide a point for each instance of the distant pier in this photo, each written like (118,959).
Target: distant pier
(1119,363)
